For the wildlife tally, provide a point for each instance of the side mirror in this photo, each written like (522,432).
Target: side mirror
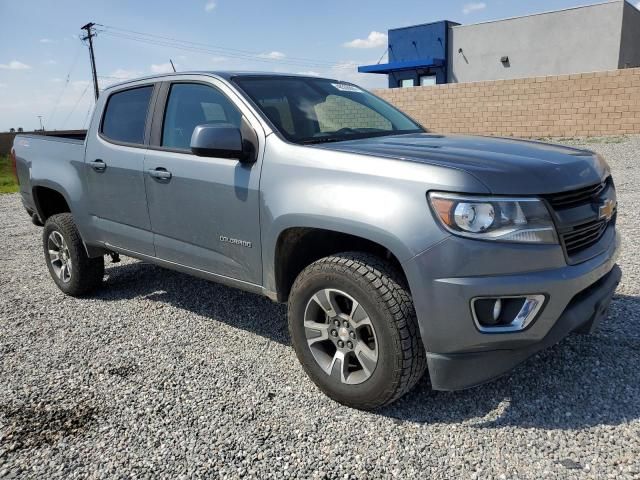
(218,140)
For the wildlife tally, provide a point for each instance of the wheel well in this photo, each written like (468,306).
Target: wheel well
(49,202)
(298,247)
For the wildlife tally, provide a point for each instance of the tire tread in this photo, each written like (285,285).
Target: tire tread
(89,272)
(394,297)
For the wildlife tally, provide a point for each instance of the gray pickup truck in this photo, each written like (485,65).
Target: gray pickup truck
(399,251)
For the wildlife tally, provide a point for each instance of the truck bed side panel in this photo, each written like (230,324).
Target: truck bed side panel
(53,163)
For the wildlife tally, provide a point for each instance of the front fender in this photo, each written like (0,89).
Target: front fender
(380,200)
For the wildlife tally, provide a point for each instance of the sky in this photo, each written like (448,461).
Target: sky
(45,70)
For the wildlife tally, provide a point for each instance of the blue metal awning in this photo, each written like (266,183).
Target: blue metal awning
(402,65)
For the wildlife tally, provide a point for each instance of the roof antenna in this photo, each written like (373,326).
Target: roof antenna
(172,65)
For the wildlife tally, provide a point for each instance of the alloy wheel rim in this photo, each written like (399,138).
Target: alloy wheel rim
(340,335)
(59,256)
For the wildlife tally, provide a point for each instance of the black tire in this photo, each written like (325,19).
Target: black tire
(379,288)
(85,274)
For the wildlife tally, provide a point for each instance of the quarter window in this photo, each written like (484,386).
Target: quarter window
(190,105)
(125,116)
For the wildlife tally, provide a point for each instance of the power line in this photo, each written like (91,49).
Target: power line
(216,47)
(86,117)
(162,43)
(111,77)
(76,105)
(160,40)
(64,87)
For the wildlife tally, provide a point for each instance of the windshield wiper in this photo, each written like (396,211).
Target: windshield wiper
(309,141)
(357,136)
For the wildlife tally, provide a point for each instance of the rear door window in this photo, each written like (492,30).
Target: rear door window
(125,115)
(193,104)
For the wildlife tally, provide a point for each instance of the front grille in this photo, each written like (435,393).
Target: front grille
(583,236)
(574,198)
(577,216)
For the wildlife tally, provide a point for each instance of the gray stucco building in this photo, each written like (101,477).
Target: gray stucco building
(604,36)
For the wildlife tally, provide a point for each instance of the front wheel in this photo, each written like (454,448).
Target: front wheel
(354,329)
(73,271)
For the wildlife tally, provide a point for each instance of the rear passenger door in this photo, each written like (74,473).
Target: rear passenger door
(114,170)
(205,212)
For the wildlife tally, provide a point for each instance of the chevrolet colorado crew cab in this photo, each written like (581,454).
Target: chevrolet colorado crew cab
(398,251)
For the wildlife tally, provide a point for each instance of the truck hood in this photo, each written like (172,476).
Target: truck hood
(504,165)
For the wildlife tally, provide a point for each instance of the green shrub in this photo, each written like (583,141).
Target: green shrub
(8,182)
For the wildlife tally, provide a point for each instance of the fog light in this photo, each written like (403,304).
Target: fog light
(497,309)
(505,314)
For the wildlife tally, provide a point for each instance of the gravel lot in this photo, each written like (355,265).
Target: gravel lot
(164,375)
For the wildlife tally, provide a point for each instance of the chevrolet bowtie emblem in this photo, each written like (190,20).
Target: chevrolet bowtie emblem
(606,209)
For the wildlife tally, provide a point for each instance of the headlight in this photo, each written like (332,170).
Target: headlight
(525,220)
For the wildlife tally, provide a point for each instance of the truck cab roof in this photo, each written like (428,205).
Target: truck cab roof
(224,74)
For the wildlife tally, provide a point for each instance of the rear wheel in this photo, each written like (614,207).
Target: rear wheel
(73,271)
(354,330)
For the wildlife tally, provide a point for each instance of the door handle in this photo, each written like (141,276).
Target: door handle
(160,173)
(98,165)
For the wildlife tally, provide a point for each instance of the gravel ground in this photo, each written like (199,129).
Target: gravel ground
(164,375)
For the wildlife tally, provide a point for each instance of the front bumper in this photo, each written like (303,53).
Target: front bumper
(463,370)
(459,355)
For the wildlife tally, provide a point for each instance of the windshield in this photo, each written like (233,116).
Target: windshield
(317,110)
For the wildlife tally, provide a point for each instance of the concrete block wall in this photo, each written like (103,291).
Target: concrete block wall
(584,104)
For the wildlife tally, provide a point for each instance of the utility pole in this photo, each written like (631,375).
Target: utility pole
(90,34)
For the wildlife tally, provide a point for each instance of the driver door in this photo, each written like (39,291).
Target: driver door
(204,211)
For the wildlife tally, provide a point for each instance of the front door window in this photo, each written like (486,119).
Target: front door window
(193,104)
